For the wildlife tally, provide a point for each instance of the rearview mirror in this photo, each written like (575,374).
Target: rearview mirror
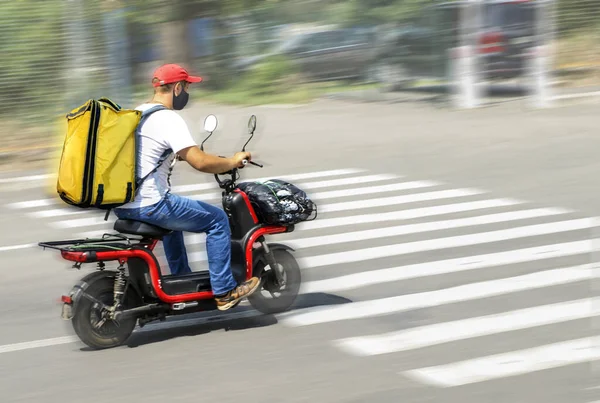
(252,124)
(251,128)
(210,123)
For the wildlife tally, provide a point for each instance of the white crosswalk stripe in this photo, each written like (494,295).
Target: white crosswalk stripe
(381,276)
(379,242)
(429,299)
(510,364)
(468,328)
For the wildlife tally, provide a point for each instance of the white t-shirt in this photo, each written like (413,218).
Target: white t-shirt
(162,130)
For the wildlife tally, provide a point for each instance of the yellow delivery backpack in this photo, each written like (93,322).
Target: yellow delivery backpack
(98,161)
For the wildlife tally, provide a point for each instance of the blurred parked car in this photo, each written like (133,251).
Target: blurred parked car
(422,48)
(328,54)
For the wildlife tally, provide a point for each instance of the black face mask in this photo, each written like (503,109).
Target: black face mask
(181,100)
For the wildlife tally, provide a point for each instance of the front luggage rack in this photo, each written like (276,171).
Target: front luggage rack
(108,242)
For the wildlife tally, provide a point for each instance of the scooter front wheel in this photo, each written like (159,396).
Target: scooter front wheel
(271,298)
(91,326)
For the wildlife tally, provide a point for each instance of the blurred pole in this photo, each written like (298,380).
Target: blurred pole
(540,58)
(476,32)
(118,57)
(464,60)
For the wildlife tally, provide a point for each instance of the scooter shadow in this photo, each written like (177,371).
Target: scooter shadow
(239,318)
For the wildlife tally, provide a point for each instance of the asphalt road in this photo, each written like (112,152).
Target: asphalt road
(451,262)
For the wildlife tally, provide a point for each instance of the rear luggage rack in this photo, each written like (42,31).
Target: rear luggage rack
(108,242)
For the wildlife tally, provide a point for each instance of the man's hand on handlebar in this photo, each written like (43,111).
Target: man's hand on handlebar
(240,157)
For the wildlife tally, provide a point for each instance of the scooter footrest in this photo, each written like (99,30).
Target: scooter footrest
(187,283)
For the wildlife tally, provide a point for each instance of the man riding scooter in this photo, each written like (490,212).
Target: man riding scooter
(164,135)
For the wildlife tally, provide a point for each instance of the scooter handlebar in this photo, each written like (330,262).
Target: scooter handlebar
(245,162)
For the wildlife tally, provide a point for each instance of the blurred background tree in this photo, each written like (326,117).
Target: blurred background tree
(57,53)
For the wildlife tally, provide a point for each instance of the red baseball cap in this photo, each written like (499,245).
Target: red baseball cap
(172,73)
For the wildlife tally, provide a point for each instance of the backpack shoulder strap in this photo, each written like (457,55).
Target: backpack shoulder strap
(145,115)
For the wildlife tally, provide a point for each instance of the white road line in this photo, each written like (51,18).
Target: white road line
(418,228)
(508,364)
(308,175)
(8,348)
(418,270)
(385,217)
(26,178)
(386,232)
(85,222)
(191,239)
(394,200)
(359,255)
(32,203)
(372,190)
(205,186)
(170,324)
(439,333)
(15,247)
(369,190)
(344,206)
(385,276)
(319,174)
(406,214)
(28,345)
(305,186)
(468,292)
(195,187)
(97,233)
(349,181)
(217,196)
(60,212)
(82,222)
(411,247)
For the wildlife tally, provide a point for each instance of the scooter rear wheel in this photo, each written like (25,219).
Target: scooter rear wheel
(281,298)
(88,316)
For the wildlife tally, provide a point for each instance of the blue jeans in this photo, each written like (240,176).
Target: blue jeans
(182,214)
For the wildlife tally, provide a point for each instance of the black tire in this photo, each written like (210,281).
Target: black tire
(109,335)
(271,304)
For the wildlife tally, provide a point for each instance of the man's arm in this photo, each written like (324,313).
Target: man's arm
(209,163)
(180,140)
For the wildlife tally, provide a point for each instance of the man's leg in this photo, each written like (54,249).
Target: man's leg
(218,249)
(176,254)
(182,214)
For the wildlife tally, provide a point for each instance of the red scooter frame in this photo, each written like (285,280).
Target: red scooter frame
(122,256)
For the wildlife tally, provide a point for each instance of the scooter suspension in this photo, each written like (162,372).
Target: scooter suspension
(109,313)
(273,264)
(119,287)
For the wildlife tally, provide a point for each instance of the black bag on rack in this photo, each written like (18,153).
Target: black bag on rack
(278,202)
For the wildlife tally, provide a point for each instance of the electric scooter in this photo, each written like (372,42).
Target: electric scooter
(106,305)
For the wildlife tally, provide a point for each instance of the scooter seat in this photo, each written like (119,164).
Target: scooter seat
(132,227)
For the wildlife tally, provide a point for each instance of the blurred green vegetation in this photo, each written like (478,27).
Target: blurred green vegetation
(37,79)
